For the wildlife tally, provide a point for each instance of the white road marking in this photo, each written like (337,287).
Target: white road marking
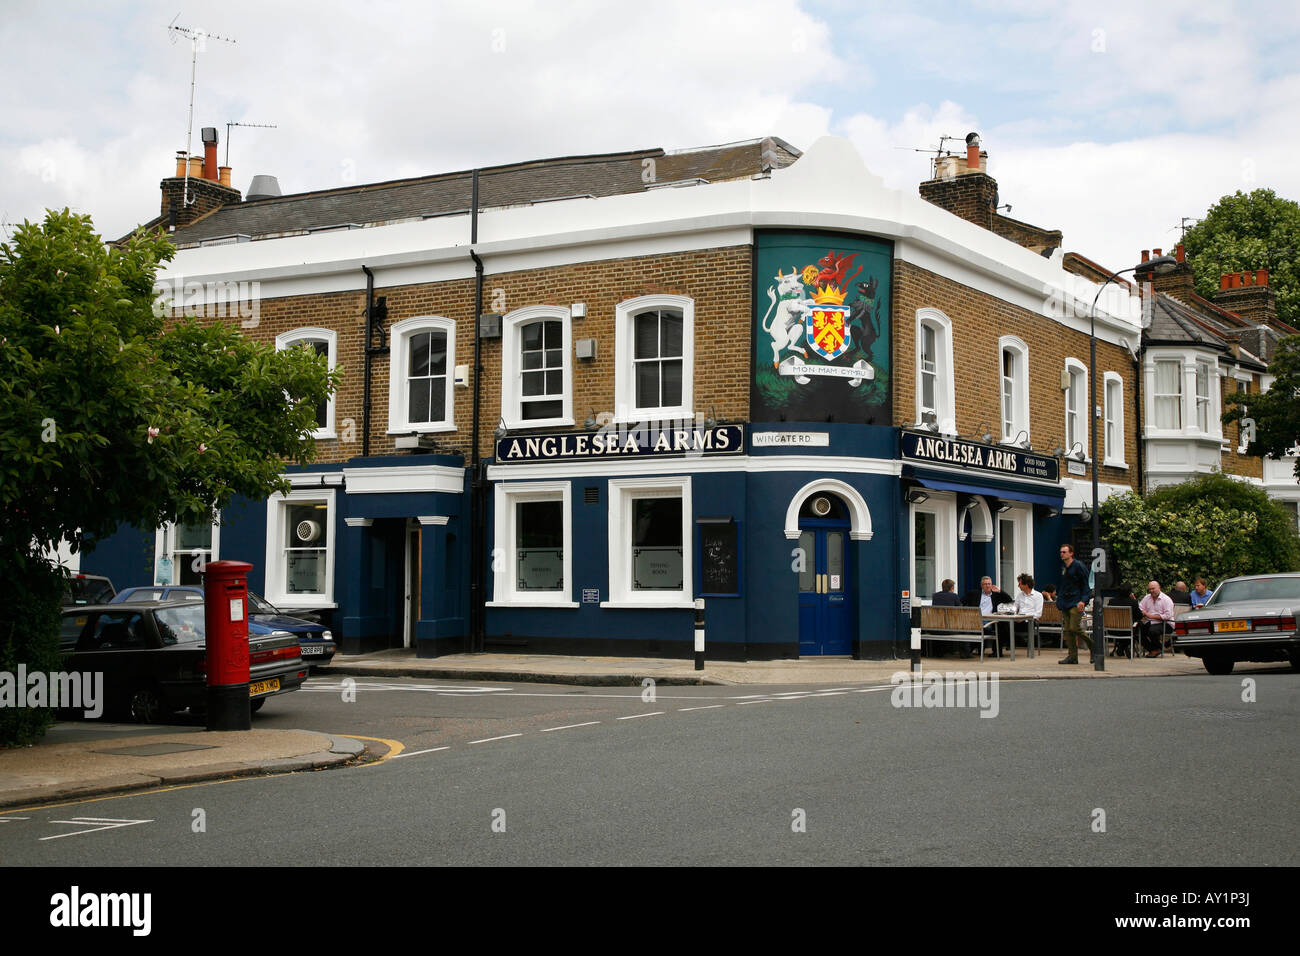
(416,753)
(12,819)
(831,693)
(101,823)
(590,723)
(765,700)
(709,707)
(488,740)
(653,713)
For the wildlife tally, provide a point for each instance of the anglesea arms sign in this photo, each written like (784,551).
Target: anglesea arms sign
(977,457)
(622,441)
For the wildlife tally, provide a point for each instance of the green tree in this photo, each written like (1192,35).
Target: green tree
(107,417)
(1211,525)
(1273,417)
(1256,230)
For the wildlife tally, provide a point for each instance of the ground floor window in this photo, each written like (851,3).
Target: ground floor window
(300,548)
(181,551)
(932,538)
(649,560)
(532,558)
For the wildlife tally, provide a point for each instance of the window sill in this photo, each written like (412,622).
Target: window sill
(533,604)
(324,436)
(640,416)
(303,602)
(1123,466)
(679,603)
(518,424)
(420,429)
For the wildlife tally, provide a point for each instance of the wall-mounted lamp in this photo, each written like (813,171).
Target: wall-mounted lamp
(500,431)
(916,496)
(930,420)
(1004,507)
(590,423)
(1017,439)
(985,435)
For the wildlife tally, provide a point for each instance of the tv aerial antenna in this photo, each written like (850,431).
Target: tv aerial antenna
(249,125)
(938,151)
(198,42)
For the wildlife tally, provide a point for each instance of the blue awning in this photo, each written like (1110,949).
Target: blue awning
(1051,497)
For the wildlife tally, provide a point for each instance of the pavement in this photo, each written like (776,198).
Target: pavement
(76,760)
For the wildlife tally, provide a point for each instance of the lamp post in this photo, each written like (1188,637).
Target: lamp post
(1157,266)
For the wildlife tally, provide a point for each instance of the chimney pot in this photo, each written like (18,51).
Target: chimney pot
(181,162)
(973,157)
(224,175)
(1146,255)
(1180,253)
(1261,276)
(196,167)
(1234,280)
(1223,281)
(1157,253)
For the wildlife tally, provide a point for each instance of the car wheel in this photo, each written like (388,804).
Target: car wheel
(1218,663)
(146,705)
(256,705)
(1295,659)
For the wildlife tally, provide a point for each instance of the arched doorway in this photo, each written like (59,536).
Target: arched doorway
(824,576)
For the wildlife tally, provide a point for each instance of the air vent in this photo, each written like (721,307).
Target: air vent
(307,531)
(821,506)
(591,495)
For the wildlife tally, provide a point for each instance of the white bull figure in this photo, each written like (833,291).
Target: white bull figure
(786,324)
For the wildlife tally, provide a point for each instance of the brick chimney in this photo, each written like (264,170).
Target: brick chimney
(1247,293)
(1180,283)
(208,190)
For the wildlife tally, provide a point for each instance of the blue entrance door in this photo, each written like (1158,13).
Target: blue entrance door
(825,599)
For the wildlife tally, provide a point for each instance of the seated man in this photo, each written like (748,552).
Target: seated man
(1157,617)
(1028,601)
(987,599)
(1179,595)
(1200,594)
(947,597)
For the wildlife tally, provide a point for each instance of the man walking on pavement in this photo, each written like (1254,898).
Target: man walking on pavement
(1071,598)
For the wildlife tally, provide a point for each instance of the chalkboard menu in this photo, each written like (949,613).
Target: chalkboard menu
(719,559)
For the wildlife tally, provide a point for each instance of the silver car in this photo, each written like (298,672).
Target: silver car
(1246,619)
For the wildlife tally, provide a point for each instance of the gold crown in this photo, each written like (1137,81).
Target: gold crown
(829,295)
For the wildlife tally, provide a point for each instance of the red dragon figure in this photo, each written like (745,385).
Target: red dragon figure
(833,267)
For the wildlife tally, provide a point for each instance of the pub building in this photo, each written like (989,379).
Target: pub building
(767,387)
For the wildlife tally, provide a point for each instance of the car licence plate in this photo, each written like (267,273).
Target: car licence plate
(308,649)
(263,687)
(1231,626)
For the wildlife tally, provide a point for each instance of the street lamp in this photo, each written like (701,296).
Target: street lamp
(1157,266)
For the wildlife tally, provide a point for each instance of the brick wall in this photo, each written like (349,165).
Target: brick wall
(978,321)
(1230,462)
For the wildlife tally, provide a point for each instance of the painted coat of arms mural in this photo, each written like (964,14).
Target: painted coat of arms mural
(821,338)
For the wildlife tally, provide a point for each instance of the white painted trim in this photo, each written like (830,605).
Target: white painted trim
(981,511)
(521,604)
(1078,492)
(359,522)
(399,358)
(316,479)
(625,313)
(859,514)
(506,496)
(943,505)
(275,564)
(945,390)
(1081,403)
(1022,517)
(164,543)
(750,464)
(433,519)
(1109,459)
(403,478)
(621,493)
(316,334)
(511,371)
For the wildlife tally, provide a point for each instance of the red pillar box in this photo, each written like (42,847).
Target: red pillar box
(225,618)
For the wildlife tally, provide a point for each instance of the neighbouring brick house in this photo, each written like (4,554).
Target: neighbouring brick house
(739,373)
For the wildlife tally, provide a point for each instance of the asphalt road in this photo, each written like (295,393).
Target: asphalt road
(1177,771)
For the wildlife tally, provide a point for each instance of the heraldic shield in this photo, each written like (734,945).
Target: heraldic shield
(828,330)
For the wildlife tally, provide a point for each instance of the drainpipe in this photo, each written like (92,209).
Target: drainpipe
(478,486)
(1141,474)
(365,400)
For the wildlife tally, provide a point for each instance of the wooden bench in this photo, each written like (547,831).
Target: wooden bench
(1117,625)
(1051,623)
(961,624)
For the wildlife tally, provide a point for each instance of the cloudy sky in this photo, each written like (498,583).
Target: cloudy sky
(1108,120)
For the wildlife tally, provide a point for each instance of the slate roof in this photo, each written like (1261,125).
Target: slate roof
(514,184)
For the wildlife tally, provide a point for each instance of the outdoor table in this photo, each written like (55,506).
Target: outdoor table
(1031,639)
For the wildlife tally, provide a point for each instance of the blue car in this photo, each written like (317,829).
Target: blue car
(315,641)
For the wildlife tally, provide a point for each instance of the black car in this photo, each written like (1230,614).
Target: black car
(154,660)
(1246,619)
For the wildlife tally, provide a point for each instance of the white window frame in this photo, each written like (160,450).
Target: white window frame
(622,491)
(1022,519)
(945,392)
(164,544)
(1213,427)
(287,340)
(1114,419)
(276,566)
(1079,403)
(1156,396)
(505,592)
(625,313)
(512,371)
(400,360)
(943,506)
(1019,411)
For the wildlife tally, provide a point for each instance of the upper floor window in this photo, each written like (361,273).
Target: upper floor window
(324,343)
(1013,356)
(1204,376)
(536,371)
(934,379)
(1076,407)
(420,379)
(655,356)
(1114,419)
(1168,394)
